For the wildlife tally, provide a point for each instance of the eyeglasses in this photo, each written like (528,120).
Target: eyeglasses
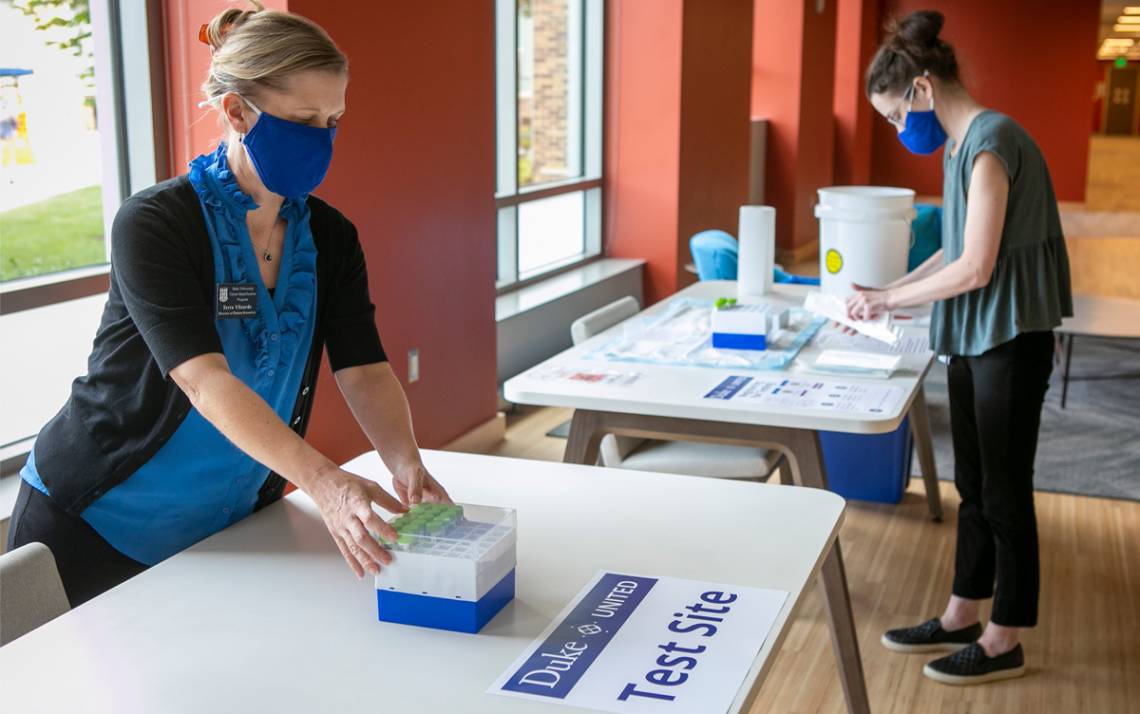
(896,117)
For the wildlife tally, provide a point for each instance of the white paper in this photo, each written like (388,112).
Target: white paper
(858,360)
(834,307)
(807,393)
(837,340)
(615,663)
(555,373)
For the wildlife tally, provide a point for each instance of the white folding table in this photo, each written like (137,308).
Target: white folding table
(1095,316)
(668,402)
(266,617)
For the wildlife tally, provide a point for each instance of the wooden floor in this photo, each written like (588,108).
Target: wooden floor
(1084,656)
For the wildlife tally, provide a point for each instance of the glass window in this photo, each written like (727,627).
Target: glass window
(549,90)
(51,153)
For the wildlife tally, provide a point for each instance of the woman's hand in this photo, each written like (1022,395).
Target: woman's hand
(414,484)
(345,501)
(867,303)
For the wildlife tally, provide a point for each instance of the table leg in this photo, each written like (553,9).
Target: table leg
(808,470)
(1065,373)
(924,442)
(585,438)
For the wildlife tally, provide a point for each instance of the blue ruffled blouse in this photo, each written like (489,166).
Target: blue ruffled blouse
(198,482)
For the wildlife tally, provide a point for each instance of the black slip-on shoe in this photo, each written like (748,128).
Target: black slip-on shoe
(930,637)
(973,666)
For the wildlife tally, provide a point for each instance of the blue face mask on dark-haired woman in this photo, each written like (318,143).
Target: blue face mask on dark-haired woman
(922,133)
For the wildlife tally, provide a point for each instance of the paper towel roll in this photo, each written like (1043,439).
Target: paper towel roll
(757,250)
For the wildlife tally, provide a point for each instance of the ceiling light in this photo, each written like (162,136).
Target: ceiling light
(1129,20)
(1132,10)
(1126,28)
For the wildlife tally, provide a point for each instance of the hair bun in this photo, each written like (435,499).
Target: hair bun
(912,47)
(919,29)
(226,20)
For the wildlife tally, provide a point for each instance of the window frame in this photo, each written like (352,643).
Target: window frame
(134,157)
(588,142)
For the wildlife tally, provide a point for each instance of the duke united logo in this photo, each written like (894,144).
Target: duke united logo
(223,294)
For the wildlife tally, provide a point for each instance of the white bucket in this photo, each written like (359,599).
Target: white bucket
(864,236)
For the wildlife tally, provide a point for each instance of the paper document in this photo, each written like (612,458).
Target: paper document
(629,643)
(834,339)
(847,397)
(858,360)
(555,373)
(834,307)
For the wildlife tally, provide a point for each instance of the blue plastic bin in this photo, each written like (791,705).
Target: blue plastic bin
(868,467)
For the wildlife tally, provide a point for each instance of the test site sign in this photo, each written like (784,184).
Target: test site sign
(629,643)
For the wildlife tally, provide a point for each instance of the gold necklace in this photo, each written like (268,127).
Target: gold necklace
(265,254)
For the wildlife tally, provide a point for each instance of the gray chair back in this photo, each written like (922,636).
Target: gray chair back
(603,319)
(31,592)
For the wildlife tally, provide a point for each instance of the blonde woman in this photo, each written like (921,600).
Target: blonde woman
(226,285)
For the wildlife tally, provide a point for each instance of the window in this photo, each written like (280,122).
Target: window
(549,136)
(65,161)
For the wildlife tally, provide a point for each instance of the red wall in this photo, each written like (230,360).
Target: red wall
(414,170)
(792,86)
(1029,60)
(856,37)
(716,80)
(643,128)
(677,132)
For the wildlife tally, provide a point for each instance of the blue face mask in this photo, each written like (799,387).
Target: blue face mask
(923,133)
(290,158)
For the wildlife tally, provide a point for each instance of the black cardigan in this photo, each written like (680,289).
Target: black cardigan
(160,313)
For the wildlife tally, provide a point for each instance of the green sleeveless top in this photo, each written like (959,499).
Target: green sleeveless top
(1029,290)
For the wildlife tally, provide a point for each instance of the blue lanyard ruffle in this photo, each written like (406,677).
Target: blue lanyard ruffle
(226,206)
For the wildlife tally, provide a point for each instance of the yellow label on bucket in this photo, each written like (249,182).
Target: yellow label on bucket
(834,261)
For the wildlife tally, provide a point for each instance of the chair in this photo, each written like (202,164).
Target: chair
(678,457)
(926,229)
(716,256)
(31,592)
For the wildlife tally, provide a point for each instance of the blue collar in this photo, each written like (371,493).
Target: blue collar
(218,187)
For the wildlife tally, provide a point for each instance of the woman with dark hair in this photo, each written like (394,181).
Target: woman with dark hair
(999,286)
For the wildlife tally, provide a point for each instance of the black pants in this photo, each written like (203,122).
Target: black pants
(995,413)
(88,565)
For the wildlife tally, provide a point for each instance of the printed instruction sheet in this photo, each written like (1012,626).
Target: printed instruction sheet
(837,340)
(806,393)
(609,378)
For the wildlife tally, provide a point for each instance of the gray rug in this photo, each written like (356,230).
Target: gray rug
(1090,448)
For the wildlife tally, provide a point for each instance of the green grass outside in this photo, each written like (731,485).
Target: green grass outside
(64,231)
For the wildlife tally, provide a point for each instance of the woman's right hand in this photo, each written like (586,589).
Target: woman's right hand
(345,501)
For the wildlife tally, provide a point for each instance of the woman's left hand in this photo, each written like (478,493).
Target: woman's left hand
(414,484)
(867,303)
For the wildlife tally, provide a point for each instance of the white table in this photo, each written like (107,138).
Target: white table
(266,617)
(668,403)
(1094,316)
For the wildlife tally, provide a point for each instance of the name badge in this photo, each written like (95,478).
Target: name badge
(236,300)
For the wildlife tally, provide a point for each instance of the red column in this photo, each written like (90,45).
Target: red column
(792,87)
(677,132)
(414,169)
(856,39)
